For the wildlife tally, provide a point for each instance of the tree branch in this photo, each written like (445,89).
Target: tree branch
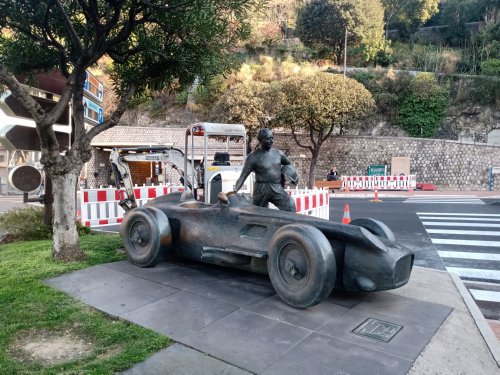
(69,26)
(19,91)
(295,138)
(117,114)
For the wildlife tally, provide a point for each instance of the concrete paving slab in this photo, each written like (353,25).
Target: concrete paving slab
(180,314)
(320,354)
(235,292)
(86,280)
(267,336)
(174,275)
(407,310)
(347,299)
(407,343)
(248,340)
(109,291)
(181,360)
(311,318)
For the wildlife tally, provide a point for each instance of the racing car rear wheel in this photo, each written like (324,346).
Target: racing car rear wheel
(376,227)
(145,232)
(301,265)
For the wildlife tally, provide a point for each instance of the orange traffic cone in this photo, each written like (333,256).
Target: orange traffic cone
(347,216)
(375,199)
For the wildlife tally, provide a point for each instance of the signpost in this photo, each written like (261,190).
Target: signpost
(93,91)
(93,87)
(92,112)
(377,170)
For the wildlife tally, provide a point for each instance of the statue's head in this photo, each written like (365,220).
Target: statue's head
(265,138)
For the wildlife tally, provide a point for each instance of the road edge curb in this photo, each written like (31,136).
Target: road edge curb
(481,323)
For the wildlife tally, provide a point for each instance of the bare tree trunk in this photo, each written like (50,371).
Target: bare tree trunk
(312,167)
(66,243)
(48,200)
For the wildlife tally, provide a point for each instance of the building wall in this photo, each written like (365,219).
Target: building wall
(450,165)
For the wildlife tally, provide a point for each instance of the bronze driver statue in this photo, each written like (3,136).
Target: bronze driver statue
(266,162)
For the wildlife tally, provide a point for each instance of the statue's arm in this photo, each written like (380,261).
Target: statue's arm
(247,169)
(284,159)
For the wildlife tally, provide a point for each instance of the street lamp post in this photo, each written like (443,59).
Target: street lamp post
(345,51)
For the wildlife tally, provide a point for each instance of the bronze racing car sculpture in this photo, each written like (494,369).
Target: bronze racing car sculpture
(305,257)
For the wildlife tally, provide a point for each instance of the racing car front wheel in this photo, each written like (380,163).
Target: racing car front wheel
(301,265)
(145,232)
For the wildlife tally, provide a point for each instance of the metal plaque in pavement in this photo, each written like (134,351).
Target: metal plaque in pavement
(377,329)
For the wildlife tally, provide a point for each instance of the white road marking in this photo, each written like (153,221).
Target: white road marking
(465,214)
(475,273)
(434,201)
(445,241)
(450,224)
(474,219)
(465,232)
(466,255)
(485,295)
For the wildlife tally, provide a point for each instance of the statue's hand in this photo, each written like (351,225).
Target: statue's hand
(222,197)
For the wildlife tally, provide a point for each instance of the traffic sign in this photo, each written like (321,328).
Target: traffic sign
(25,178)
(18,129)
(93,87)
(377,170)
(92,111)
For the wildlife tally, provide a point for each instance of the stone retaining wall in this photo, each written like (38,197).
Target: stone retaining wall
(450,165)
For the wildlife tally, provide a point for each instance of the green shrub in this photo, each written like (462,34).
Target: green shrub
(422,110)
(181,98)
(26,224)
(154,107)
(491,67)
(385,87)
(484,90)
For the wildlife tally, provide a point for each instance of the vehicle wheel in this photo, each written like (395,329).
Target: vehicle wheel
(375,227)
(301,265)
(145,232)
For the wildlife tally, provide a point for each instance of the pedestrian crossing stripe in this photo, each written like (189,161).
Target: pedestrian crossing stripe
(474,273)
(465,214)
(450,224)
(462,218)
(446,241)
(468,255)
(434,201)
(464,232)
(485,295)
(476,250)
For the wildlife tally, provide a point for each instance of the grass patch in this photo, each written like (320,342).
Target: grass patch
(28,307)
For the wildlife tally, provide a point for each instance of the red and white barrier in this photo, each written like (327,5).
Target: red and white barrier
(311,202)
(355,183)
(100,206)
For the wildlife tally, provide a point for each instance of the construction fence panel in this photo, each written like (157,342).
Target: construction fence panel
(100,206)
(311,202)
(360,183)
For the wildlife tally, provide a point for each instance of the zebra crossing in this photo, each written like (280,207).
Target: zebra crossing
(448,199)
(469,245)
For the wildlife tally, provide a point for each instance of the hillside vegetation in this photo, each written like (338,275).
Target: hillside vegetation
(455,42)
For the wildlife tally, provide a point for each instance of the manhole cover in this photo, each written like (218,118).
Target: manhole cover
(377,329)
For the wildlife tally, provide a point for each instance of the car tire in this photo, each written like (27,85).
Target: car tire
(301,265)
(146,235)
(375,227)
